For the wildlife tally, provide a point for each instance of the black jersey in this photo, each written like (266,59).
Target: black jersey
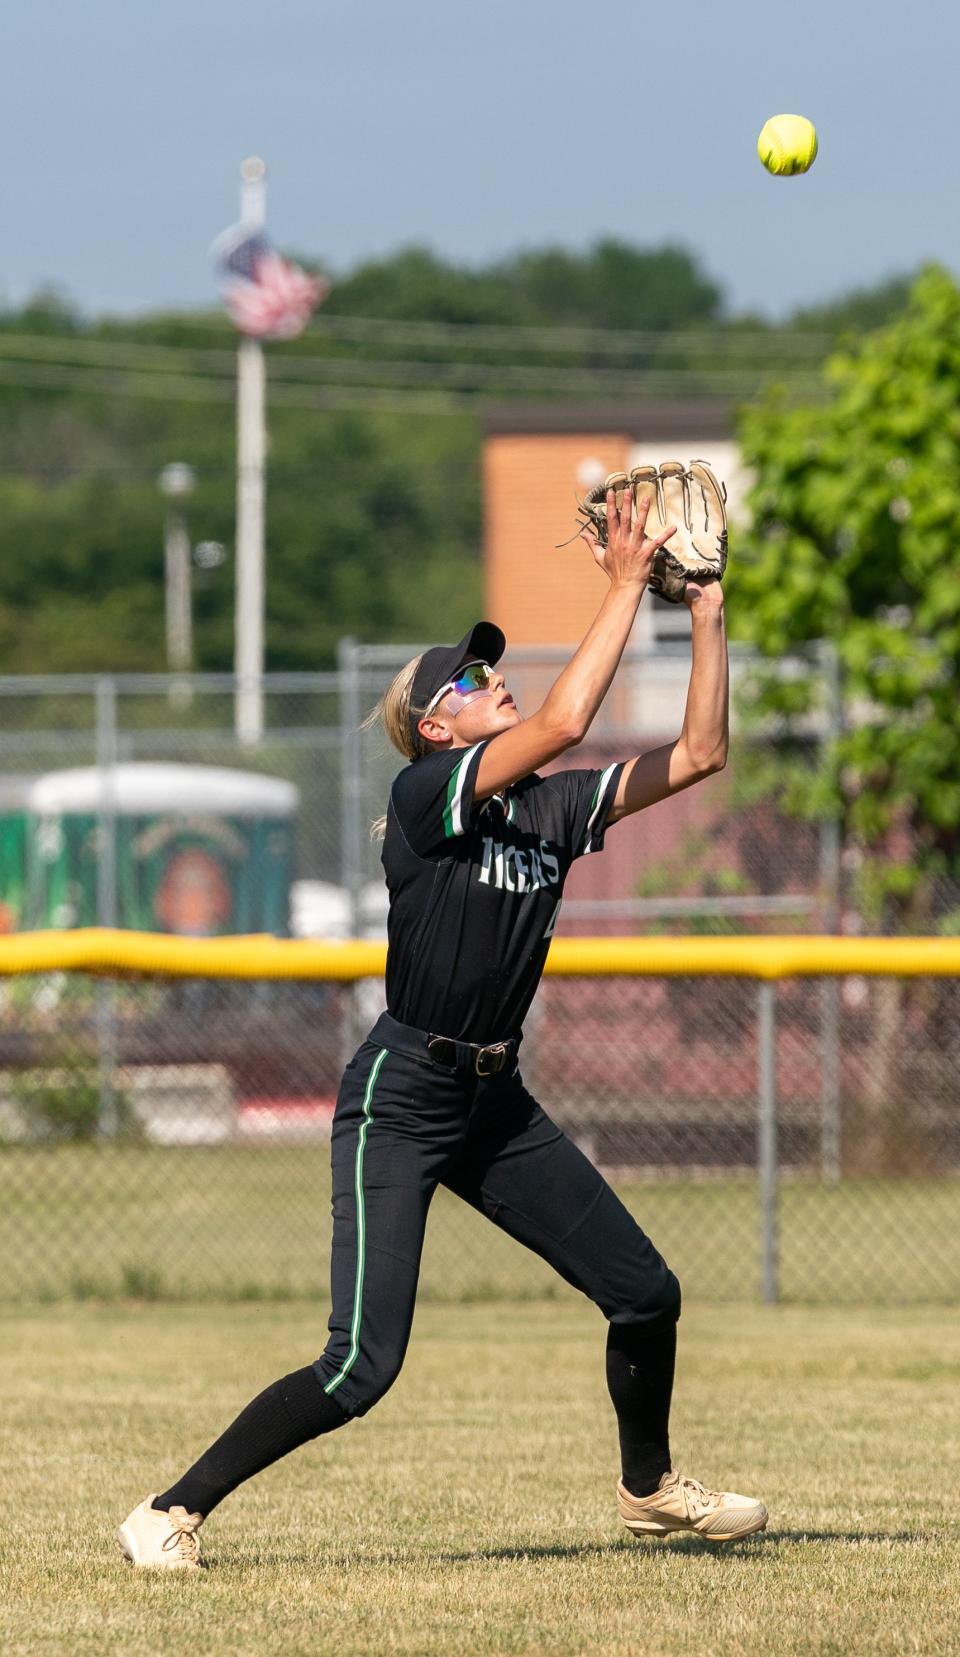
(475,889)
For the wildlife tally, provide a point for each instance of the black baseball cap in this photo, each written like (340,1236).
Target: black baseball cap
(484,643)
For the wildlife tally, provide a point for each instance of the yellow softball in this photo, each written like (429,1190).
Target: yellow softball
(787,144)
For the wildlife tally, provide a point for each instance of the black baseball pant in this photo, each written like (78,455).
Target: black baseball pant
(405,1124)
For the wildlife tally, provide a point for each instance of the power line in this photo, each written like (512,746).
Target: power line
(67,377)
(343,398)
(515,337)
(116,353)
(558,337)
(170,358)
(195,389)
(328,382)
(613,341)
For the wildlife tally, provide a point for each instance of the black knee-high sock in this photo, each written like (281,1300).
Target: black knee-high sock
(285,1415)
(640,1368)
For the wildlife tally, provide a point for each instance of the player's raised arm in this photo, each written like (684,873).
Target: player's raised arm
(701,747)
(572,702)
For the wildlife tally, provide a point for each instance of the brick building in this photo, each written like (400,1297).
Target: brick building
(538,458)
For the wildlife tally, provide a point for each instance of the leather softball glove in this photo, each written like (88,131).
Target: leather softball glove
(690,497)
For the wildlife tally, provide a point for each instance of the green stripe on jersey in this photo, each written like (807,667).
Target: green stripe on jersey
(351,1357)
(452,815)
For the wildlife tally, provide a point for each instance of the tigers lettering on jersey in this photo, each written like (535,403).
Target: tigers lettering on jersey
(513,868)
(475,887)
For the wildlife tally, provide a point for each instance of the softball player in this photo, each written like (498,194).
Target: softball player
(476,851)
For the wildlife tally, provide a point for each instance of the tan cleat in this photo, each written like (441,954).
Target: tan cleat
(161,1541)
(683,1504)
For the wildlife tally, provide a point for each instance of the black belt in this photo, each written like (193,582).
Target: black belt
(469,1055)
(472,1056)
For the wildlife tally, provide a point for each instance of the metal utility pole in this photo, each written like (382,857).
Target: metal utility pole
(251,463)
(107,915)
(831,876)
(176,485)
(767,1151)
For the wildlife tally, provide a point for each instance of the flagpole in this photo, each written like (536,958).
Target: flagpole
(251,464)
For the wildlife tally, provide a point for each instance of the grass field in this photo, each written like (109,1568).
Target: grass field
(472,1511)
(78,1222)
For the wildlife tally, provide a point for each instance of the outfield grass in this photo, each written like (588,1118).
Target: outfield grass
(85,1223)
(473,1511)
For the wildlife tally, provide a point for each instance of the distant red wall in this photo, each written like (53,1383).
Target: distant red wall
(537,594)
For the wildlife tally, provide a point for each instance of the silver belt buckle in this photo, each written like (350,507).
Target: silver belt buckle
(498,1052)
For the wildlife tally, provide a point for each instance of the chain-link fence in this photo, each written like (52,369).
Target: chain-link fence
(171,1138)
(132,801)
(708,860)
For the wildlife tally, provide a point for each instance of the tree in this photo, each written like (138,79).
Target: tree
(614,285)
(855,539)
(365,534)
(374,519)
(863,308)
(610,285)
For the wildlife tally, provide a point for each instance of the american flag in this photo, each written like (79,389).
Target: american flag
(268,297)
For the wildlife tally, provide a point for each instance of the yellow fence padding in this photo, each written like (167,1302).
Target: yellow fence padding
(119,954)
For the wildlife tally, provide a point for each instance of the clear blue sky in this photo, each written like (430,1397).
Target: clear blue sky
(477,129)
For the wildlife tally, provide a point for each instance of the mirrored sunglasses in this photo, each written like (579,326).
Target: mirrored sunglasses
(473,680)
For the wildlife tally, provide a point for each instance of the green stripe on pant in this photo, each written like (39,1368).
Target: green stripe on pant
(351,1357)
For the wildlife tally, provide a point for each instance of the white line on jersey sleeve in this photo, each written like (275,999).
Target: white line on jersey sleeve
(597,811)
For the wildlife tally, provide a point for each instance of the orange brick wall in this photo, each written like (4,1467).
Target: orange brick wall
(539,595)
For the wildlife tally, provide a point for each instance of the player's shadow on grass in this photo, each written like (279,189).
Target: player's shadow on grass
(576,1550)
(914,1536)
(683,1545)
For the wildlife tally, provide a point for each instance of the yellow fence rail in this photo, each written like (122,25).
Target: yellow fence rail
(115,954)
(109,953)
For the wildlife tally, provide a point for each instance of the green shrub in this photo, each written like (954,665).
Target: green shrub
(64,1103)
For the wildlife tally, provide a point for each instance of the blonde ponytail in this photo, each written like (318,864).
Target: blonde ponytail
(392,713)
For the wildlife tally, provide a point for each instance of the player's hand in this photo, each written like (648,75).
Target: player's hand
(628,556)
(704,594)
